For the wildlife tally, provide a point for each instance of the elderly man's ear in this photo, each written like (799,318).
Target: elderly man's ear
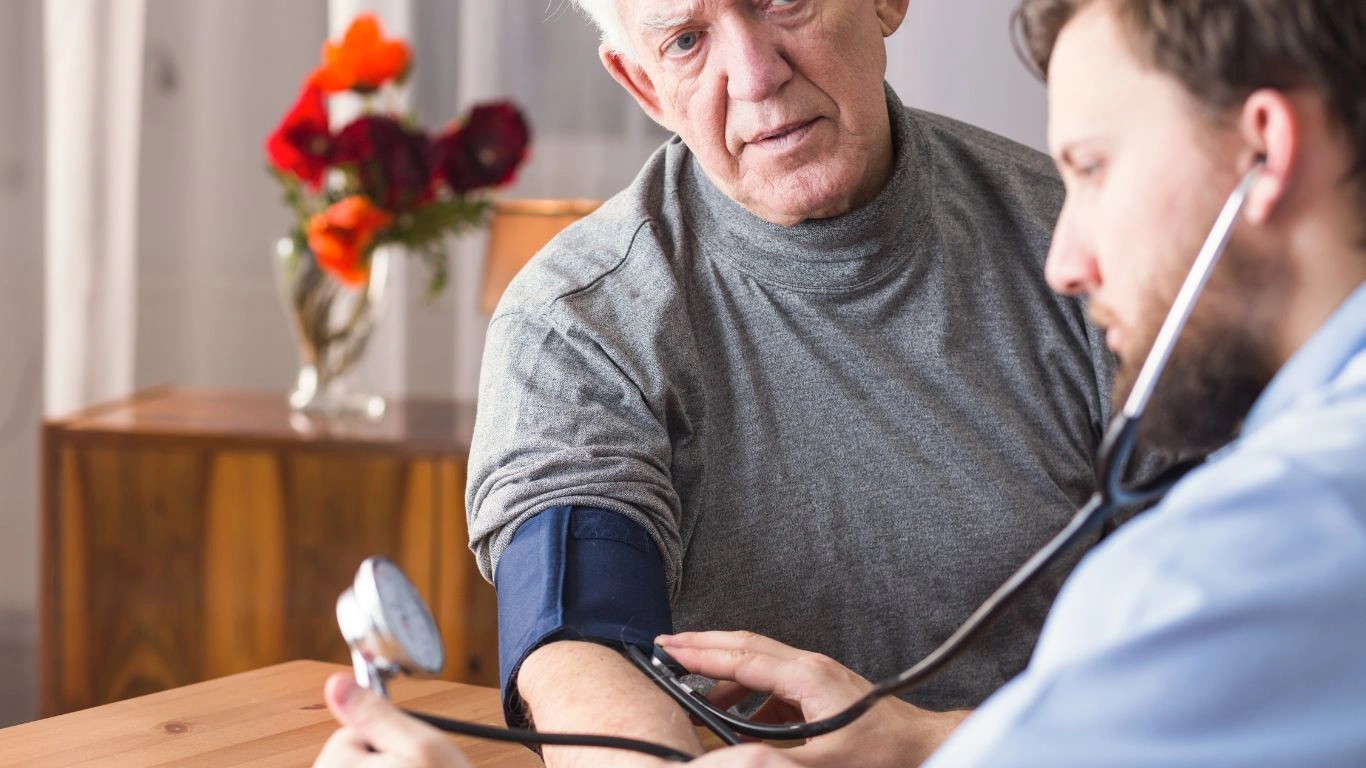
(624,69)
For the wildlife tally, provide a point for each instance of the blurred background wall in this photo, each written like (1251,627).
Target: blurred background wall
(21,346)
(198,306)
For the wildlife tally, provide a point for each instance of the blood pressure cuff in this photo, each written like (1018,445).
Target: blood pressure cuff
(576,573)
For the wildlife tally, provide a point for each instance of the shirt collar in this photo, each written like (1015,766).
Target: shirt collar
(1316,363)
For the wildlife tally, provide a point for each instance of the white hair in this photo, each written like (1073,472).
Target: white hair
(607,16)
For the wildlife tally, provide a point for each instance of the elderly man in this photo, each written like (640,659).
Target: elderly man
(1223,628)
(804,377)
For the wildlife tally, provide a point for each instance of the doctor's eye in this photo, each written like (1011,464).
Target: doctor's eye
(1091,170)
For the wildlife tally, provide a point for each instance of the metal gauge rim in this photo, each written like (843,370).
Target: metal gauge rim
(388,643)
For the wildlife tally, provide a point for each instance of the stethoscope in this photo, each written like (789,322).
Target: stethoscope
(390,630)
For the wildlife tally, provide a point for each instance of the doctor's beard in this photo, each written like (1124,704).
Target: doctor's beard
(1221,363)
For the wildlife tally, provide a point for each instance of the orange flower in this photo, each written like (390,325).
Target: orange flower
(364,60)
(340,237)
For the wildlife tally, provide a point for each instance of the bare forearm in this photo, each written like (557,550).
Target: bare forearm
(587,688)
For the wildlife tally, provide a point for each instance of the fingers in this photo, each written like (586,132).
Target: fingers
(728,641)
(726,694)
(788,677)
(722,655)
(346,749)
(368,714)
(747,756)
(340,750)
(816,684)
(755,671)
(370,720)
(774,711)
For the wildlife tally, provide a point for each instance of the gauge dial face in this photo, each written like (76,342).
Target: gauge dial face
(407,618)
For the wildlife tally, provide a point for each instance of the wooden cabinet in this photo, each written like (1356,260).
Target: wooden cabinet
(189,535)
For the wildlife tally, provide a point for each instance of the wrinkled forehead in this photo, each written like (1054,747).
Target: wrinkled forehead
(640,15)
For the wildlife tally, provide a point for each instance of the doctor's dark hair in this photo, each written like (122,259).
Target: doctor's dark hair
(1221,51)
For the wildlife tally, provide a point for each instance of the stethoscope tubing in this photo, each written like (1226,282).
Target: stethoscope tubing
(529,737)
(1117,446)
(1085,523)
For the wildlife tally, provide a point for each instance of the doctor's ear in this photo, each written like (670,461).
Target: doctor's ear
(890,14)
(1270,127)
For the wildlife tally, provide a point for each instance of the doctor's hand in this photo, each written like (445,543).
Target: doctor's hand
(747,756)
(371,722)
(806,687)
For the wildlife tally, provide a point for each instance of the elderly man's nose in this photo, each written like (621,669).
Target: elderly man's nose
(757,68)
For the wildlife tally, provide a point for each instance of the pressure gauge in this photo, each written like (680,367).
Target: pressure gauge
(388,626)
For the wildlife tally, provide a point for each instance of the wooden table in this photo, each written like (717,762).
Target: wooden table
(268,718)
(191,534)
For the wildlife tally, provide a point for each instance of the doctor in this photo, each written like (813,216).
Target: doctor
(1225,626)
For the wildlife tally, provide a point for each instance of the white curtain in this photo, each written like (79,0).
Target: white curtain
(93,53)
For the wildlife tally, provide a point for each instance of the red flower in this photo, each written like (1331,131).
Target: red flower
(486,150)
(340,237)
(364,60)
(393,163)
(302,144)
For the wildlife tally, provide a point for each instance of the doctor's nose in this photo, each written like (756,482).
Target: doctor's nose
(1071,268)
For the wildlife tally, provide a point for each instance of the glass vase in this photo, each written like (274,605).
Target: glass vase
(332,326)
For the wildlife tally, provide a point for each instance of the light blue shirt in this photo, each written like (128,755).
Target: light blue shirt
(1227,626)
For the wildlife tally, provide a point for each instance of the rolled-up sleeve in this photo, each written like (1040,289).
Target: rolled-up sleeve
(560,423)
(571,509)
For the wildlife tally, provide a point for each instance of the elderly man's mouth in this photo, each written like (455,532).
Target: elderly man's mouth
(784,137)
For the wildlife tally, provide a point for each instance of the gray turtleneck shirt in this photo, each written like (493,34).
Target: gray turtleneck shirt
(842,434)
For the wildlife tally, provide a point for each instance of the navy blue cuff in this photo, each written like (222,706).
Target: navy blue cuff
(576,573)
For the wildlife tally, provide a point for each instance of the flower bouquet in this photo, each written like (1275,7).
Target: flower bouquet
(377,183)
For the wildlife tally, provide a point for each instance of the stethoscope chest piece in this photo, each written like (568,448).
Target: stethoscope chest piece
(387,626)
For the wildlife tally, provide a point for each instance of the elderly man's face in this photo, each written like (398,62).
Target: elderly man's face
(1146,174)
(780,100)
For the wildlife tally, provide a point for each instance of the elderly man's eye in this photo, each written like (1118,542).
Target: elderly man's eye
(683,44)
